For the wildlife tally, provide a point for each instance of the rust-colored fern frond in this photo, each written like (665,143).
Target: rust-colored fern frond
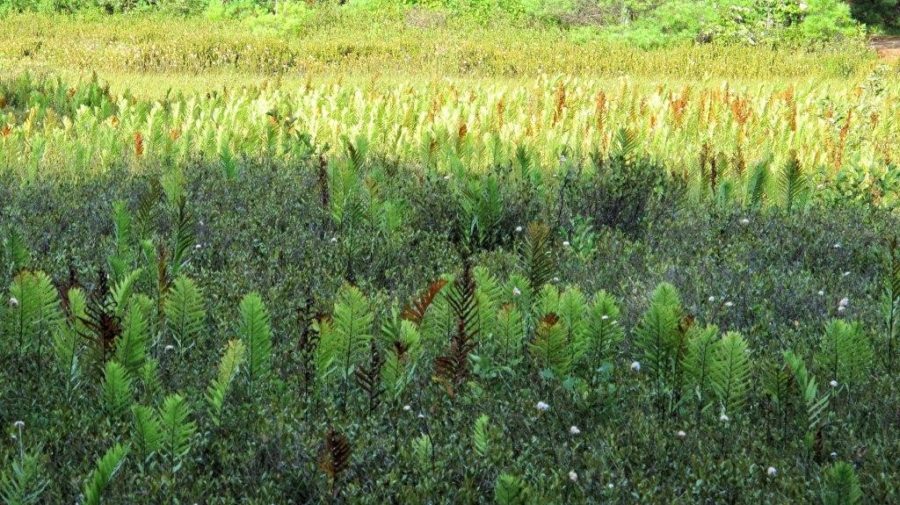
(101,321)
(452,368)
(415,311)
(334,458)
(138,144)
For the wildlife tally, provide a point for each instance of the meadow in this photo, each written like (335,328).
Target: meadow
(408,255)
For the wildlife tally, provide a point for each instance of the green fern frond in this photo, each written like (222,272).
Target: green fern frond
(509,332)
(757,184)
(699,362)
(122,290)
(177,429)
(603,328)
(107,468)
(625,144)
(730,372)
(538,259)
(793,183)
(657,332)
(550,348)
(347,342)
(24,483)
(131,346)
(34,310)
(572,312)
(147,431)
(185,312)
(510,490)
(844,352)
(229,367)
(185,238)
(117,389)
(16,255)
(481,435)
(256,332)
(841,485)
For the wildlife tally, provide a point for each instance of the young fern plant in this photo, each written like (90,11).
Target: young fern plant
(551,349)
(841,485)
(604,333)
(185,312)
(101,478)
(511,490)
(117,390)
(132,345)
(24,481)
(815,405)
(255,332)
(343,344)
(698,364)
(33,311)
(729,373)
(844,352)
(794,184)
(146,432)
(229,367)
(177,433)
(657,337)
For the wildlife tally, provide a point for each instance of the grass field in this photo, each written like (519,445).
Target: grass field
(402,257)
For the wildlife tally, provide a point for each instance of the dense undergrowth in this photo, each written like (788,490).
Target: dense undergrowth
(285,335)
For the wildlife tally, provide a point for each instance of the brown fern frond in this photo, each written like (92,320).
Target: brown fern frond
(138,144)
(415,311)
(452,368)
(334,459)
(101,321)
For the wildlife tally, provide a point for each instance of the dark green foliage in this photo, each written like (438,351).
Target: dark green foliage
(841,485)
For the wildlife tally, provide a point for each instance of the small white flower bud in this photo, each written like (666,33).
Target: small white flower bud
(573,476)
(680,434)
(844,302)
(745,221)
(711,299)
(724,418)
(833,383)
(542,406)
(518,229)
(821,293)
(566,243)
(772,471)
(635,366)
(407,408)
(517,292)
(169,347)
(574,430)
(729,304)
(13,302)
(19,425)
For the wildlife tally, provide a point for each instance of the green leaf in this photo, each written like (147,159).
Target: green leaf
(107,468)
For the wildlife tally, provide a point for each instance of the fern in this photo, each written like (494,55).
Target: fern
(699,362)
(147,431)
(657,332)
(625,144)
(482,434)
(15,253)
(844,352)
(730,372)
(256,333)
(538,260)
(509,332)
(756,186)
(122,291)
(452,368)
(184,311)
(841,485)
(24,482)
(415,311)
(815,405)
(34,310)
(229,367)
(550,347)
(368,377)
(346,344)
(65,354)
(510,490)
(572,312)
(891,301)
(177,430)
(131,346)
(400,361)
(603,328)
(334,458)
(107,468)
(117,389)
(793,183)
(185,238)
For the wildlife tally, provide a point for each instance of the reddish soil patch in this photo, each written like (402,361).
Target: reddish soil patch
(887,48)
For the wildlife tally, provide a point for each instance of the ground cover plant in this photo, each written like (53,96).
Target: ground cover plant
(315,253)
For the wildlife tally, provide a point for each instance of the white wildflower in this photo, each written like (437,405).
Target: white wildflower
(573,476)
(518,229)
(724,418)
(833,383)
(566,243)
(447,177)
(610,485)
(574,430)
(844,302)
(542,406)
(604,317)
(556,279)
(635,366)
(169,347)
(772,471)
(407,408)
(745,221)
(842,309)
(833,455)
(334,240)
(711,299)
(846,273)
(198,246)
(19,425)
(13,302)
(517,292)
(680,434)
(837,245)
(421,416)
(821,293)
(729,304)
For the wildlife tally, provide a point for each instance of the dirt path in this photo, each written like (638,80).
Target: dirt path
(887,48)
